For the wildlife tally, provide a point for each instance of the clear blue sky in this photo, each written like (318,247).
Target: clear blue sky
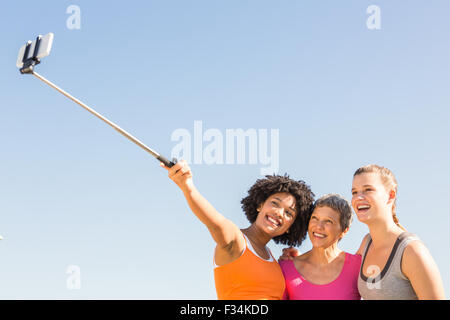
(74,192)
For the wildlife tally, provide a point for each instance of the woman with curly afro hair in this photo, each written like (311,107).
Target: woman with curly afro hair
(277,208)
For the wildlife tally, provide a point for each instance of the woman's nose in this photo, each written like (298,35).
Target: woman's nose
(320,224)
(279,212)
(358,196)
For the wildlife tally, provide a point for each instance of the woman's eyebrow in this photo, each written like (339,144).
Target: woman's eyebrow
(366,185)
(293,208)
(323,218)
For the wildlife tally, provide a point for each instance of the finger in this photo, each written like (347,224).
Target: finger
(183,172)
(187,175)
(175,168)
(164,166)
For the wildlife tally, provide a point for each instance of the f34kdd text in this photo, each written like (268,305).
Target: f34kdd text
(226,309)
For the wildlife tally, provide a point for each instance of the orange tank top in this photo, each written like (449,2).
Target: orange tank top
(249,277)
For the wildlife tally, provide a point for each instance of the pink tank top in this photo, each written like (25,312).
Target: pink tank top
(344,287)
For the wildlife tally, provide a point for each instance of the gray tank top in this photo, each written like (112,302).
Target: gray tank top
(391,283)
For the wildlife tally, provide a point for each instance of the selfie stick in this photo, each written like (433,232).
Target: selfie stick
(28,68)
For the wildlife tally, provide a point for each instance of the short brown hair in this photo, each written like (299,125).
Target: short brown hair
(338,204)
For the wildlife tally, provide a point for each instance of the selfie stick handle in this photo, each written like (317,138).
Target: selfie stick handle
(112,124)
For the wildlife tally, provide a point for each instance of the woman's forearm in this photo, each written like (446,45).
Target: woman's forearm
(222,230)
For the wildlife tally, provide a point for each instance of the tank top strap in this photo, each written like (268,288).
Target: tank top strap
(246,240)
(250,247)
(270,252)
(399,246)
(390,283)
(366,247)
(406,237)
(246,247)
(403,240)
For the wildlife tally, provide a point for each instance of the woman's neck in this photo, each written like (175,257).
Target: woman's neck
(324,256)
(256,236)
(383,233)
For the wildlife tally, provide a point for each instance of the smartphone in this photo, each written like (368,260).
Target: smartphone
(45,46)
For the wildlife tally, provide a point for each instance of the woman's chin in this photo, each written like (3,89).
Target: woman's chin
(363,217)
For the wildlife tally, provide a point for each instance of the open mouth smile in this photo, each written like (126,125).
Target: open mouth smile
(274,222)
(362,208)
(319,235)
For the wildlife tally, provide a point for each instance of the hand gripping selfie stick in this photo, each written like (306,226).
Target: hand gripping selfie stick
(31,54)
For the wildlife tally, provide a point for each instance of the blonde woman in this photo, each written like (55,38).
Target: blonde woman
(395,263)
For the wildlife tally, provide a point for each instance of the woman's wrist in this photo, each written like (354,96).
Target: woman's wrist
(188,188)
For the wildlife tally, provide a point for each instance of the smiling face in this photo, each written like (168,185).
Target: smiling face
(371,199)
(324,227)
(276,214)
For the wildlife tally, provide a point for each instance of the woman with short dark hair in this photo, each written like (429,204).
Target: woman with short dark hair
(325,272)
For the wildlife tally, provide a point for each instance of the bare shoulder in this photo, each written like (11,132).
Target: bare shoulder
(420,268)
(416,250)
(416,257)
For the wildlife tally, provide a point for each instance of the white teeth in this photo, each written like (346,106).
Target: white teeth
(363,207)
(319,235)
(276,223)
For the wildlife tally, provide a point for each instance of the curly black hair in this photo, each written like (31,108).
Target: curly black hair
(304,202)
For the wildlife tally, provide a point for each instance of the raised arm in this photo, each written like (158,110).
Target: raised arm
(224,232)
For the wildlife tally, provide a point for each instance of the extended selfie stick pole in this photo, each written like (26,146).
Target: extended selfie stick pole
(28,69)
(112,124)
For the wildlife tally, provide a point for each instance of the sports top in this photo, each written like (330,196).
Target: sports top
(249,277)
(344,287)
(390,283)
